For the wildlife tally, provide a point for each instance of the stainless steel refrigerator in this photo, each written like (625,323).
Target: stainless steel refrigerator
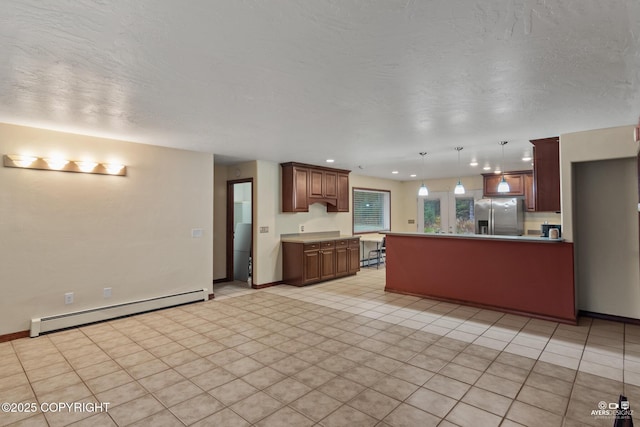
(502,216)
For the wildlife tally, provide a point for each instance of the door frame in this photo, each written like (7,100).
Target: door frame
(230,230)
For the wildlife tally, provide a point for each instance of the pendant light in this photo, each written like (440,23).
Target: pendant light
(423,191)
(459,187)
(503,187)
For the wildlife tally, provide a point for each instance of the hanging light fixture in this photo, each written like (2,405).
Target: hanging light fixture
(503,187)
(423,191)
(459,187)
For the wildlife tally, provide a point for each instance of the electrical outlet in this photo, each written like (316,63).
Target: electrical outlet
(301,228)
(264,229)
(68,298)
(197,233)
(106,292)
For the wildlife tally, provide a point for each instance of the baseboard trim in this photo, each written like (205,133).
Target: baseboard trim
(14,336)
(610,317)
(267,285)
(224,279)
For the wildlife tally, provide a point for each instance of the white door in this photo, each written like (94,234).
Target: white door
(433,213)
(444,212)
(462,212)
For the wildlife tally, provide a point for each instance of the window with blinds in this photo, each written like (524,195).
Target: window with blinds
(371,210)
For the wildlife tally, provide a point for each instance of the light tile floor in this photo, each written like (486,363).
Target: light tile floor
(341,353)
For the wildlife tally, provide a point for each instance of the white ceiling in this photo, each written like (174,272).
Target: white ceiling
(368,83)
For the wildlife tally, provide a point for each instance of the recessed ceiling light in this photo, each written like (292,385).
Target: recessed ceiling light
(395,172)
(473,163)
(330,160)
(487,168)
(497,171)
(413,175)
(526,159)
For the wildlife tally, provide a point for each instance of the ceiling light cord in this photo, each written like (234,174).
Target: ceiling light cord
(459,187)
(503,187)
(423,191)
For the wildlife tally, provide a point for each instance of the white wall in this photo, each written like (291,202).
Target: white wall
(70,232)
(608,280)
(617,280)
(600,144)
(220,223)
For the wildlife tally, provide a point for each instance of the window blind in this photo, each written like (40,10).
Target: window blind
(371,210)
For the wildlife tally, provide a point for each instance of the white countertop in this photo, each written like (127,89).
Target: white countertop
(535,239)
(316,239)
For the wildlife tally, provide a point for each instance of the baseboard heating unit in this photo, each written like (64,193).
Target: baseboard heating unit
(83,317)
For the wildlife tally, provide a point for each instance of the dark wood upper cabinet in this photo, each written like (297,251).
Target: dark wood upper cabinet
(295,188)
(529,192)
(323,184)
(514,179)
(546,173)
(342,194)
(304,184)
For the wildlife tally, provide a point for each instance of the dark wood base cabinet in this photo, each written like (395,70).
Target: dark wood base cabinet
(306,263)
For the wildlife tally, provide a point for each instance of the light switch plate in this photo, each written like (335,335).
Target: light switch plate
(68,298)
(197,233)
(264,229)
(301,228)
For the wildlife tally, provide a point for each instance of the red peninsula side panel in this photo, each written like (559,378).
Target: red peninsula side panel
(517,276)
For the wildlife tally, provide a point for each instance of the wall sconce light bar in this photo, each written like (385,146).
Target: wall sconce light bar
(55,164)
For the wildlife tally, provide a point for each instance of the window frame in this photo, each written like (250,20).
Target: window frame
(353,209)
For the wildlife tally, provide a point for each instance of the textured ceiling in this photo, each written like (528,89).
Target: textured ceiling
(368,83)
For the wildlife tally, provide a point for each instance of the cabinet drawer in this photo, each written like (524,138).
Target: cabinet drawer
(312,246)
(327,245)
(354,243)
(342,243)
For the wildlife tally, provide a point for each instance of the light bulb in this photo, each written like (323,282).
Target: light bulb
(113,169)
(56,164)
(23,161)
(86,166)
(423,191)
(503,187)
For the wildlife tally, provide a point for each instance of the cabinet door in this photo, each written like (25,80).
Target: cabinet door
(294,189)
(546,174)
(342,260)
(515,181)
(342,194)
(529,193)
(354,259)
(300,199)
(311,266)
(327,264)
(330,185)
(316,184)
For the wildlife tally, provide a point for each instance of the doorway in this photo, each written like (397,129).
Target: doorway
(444,212)
(240,230)
(605,236)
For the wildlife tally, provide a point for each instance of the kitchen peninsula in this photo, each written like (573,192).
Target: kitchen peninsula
(523,275)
